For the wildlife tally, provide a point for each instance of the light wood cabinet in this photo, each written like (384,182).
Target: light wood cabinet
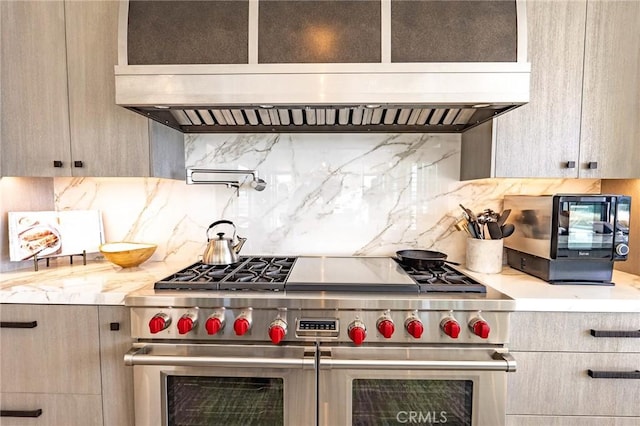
(582,120)
(66,361)
(62,103)
(34,103)
(610,131)
(117,379)
(555,352)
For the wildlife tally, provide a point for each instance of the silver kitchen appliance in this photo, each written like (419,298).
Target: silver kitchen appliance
(319,341)
(568,238)
(302,66)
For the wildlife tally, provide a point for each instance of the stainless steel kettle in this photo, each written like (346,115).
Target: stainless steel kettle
(221,250)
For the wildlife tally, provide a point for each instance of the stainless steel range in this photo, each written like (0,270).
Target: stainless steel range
(319,340)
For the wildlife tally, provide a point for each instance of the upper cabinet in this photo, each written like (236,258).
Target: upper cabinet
(582,120)
(610,132)
(35,108)
(59,117)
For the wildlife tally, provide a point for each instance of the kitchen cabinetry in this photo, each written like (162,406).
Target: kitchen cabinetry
(34,104)
(60,116)
(555,352)
(581,120)
(63,365)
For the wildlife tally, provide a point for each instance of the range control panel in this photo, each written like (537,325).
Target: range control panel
(356,327)
(318,327)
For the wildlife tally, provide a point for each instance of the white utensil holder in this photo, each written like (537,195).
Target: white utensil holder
(484,256)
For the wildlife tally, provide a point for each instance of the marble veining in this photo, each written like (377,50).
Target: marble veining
(326,194)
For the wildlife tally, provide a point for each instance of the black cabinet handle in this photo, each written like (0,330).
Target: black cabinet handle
(592,165)
(571,164)
(615,333)
(57,163)
(77,164)
(114,326)
(614,374)
(21,413)
(15,324)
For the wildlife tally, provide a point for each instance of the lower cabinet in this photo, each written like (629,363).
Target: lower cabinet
(63,365)
(44,409)
(567,376)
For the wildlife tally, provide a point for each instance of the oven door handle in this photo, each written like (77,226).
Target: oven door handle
(142,356)
(501,361)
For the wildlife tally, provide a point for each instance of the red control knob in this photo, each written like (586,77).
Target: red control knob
(480,328)
(158,323)
(386,328)
(277,330)
(185,324)
(276,334)
(414,327)
(213,325)
(451,328)
(357,334)
(241,326)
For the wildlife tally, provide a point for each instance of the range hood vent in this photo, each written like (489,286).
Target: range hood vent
(250,66)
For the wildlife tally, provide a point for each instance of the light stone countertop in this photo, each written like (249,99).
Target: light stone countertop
(101,283)
(97,283)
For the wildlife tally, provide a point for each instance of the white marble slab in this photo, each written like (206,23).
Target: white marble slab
(97,283)
(533,294)
(101,283)
(326,194)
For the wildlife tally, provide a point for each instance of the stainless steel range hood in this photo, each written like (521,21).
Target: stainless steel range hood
(247,77)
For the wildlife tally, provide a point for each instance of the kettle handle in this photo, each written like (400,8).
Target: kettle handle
(222,222)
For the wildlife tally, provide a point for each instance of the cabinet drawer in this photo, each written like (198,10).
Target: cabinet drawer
(557,383)
(571,421)
(57,410)
(57,352)
(563,331)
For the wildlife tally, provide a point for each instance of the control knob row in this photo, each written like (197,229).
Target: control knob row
(215,323)
(357,330)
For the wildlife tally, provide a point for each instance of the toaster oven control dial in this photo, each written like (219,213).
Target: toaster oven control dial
(186,323)
(385,326)
(159,322)
(450,327)
(214,324)
(241,325)
(414,326)
(622,249)
(479,327)
(357,332)
(277,330)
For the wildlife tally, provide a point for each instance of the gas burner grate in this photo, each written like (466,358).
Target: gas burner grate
(250,273)
(443,279)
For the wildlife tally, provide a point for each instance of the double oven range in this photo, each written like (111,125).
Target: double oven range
(319,341)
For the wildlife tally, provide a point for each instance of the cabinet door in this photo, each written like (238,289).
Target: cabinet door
(611,105)
(57,410)
(34,103)
(106,138)
(557,383)
(117,379)
(539,139)
(57,353)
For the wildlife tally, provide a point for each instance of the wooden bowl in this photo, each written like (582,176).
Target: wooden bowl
(127,255)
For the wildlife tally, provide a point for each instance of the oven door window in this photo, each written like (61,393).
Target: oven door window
(585,229)
(200,401)
(396,402)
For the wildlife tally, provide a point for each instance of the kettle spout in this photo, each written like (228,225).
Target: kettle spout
(238,246)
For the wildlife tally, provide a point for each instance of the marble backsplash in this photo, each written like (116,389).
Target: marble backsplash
(326,194)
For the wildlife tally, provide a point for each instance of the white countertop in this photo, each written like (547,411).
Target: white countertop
(101,283)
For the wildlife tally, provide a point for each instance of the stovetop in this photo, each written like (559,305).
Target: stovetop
(320,274)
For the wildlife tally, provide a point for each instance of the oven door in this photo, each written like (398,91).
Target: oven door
(398,386)
(203,384)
